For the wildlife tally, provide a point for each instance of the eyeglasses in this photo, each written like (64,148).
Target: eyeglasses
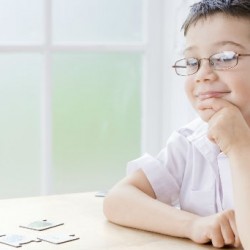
(219,61)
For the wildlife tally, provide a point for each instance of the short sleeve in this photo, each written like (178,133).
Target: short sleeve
(164,172)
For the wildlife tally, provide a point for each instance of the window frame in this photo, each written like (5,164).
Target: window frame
(158,103)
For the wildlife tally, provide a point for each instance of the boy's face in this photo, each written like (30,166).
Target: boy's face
(207,37)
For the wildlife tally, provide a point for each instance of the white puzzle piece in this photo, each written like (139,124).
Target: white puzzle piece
(101,194)
(17,240)
(58,238)
(41,225)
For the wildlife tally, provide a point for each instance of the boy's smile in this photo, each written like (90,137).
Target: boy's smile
(212,35)
(202,95)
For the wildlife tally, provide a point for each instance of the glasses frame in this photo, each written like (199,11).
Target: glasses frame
(237,55)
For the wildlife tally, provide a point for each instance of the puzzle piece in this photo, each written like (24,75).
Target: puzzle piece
(58,238)
(17,240)
(41,225)
(101,194)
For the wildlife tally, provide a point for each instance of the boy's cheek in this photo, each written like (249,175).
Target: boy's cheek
(190,95)
(189,85)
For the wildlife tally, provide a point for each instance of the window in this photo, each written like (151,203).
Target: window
(85,87)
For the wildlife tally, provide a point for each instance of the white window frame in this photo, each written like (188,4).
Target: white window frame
(158,116)
(151,130)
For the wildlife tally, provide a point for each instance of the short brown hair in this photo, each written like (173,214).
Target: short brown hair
(205,8)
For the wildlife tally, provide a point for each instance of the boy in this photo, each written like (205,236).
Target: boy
(193,171)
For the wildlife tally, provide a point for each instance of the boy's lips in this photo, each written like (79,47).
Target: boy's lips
(211,94)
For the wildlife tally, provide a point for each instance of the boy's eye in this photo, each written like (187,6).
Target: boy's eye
(191,62)
(224,57)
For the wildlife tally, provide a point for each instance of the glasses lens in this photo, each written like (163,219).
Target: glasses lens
(186,66)
(224,60)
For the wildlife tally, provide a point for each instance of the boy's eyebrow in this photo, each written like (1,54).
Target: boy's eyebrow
(222,43)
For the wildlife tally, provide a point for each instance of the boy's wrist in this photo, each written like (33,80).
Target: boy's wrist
(189,227)
(239,157)
(239,150)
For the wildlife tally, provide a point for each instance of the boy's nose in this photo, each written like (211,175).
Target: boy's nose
(205,72)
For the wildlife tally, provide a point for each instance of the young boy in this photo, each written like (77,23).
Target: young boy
(194,170)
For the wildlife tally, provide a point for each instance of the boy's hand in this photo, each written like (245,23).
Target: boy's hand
(227,126)
(219,229)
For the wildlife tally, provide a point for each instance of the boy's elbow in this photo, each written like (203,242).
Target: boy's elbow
(113,205)
(106,207)
(110,207)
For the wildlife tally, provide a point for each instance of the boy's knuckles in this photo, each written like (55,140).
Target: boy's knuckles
(230,213)
(229,239)
(218,242)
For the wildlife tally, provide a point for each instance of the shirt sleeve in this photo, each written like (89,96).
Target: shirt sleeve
(164,172)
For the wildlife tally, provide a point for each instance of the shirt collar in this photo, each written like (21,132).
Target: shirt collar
(196,133)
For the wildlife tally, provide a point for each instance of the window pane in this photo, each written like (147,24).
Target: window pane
(97,20)
(96,118)
(21,21)
(19,127)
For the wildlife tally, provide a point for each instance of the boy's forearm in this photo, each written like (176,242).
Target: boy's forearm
(240,166)
(128,206)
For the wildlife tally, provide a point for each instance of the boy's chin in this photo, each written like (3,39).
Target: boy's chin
(206,114)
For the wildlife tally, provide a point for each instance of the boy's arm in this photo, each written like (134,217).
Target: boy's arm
(240,165)
(230,131)
(132,203)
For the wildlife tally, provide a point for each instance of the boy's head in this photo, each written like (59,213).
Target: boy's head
(206,8)
(216,59)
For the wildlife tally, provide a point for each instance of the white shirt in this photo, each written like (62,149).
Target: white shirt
(190,172)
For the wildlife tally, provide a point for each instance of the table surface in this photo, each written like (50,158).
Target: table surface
(82,215)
